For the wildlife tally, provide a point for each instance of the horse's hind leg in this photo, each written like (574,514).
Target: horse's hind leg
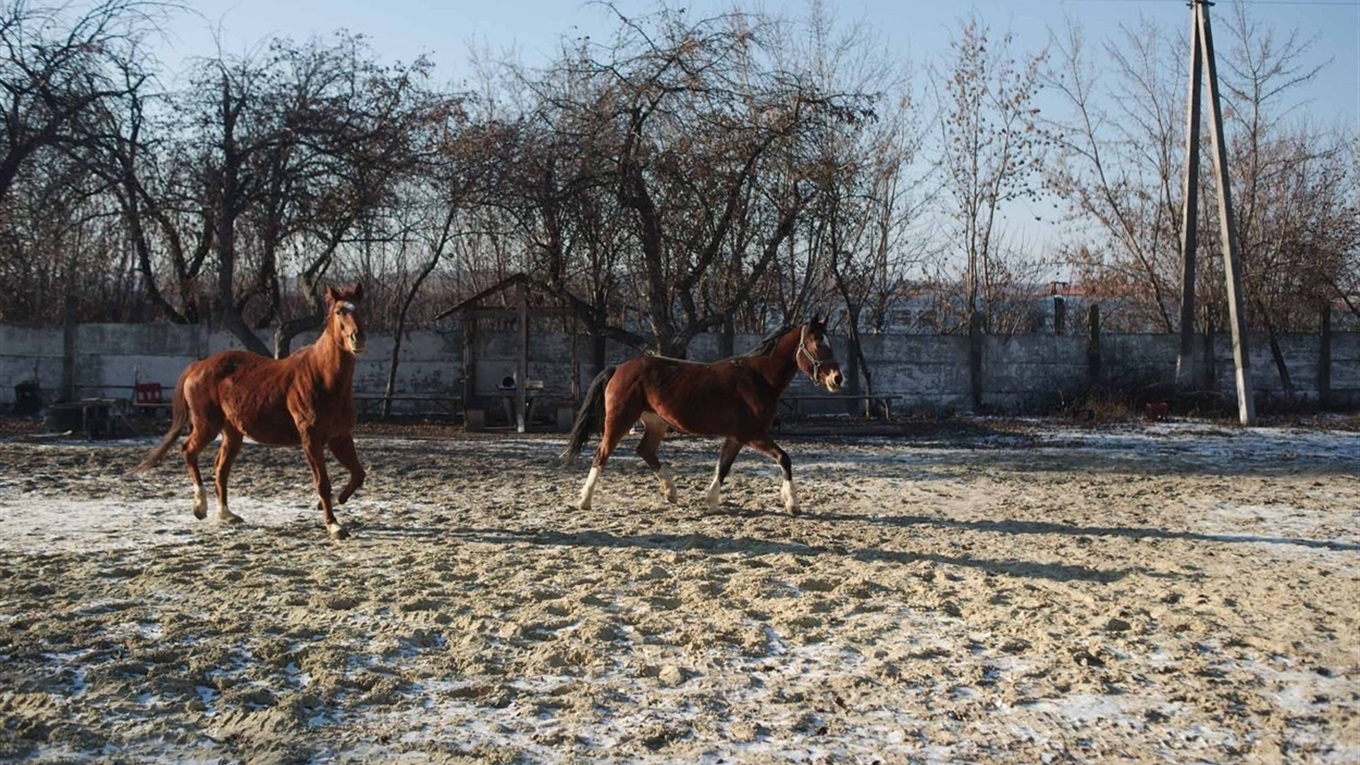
(226,455)
(203,430)
(726,456)
(766,446)
(616,425)
(345,453)
(651,438)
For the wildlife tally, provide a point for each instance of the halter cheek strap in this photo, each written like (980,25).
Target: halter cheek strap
(816,370)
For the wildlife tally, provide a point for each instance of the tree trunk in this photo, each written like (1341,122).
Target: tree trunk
(390,388)
(228,314)
(284,334)
(1325,359)
(1281,365)
(975,341)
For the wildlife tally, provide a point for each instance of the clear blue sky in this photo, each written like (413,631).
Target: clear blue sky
(919,31)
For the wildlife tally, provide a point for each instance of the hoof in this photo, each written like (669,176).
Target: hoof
(337,531)
(200,513)
(228,517)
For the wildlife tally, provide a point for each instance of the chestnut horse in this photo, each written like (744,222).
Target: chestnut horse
(735,398)
(305,399)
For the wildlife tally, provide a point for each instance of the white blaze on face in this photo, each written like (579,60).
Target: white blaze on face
(351,340)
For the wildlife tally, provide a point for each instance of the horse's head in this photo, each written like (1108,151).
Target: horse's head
(815,357)
(345,317)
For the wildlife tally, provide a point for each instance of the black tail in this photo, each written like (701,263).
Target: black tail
(180,407)
(590,418)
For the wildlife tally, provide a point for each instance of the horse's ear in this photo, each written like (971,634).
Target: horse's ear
(358,291)
(818,321)
(332,297)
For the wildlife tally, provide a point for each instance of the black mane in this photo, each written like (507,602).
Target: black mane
(766,346)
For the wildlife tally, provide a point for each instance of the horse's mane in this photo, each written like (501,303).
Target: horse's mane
(766,346)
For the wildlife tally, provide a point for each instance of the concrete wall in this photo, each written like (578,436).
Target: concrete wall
(930,372)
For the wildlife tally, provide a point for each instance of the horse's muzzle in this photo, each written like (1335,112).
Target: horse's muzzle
(356,344)
(833,380)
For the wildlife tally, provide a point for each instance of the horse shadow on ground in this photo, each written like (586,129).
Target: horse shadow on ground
(750,546)
(755,547)
(936,460)
(1017,527)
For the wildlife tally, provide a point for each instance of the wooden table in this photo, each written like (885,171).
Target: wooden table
(95,417)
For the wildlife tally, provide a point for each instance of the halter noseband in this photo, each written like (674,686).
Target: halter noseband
(816,370)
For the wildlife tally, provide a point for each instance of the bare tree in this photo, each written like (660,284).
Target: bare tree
(58,247)
(1119,164)
(702,146)
(58,66)
(462,172)
(61,66)
(1280,163)
(258,175)
(992,146)
(992,149)
(869,194)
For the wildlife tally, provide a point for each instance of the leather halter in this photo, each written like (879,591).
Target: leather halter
(816,370)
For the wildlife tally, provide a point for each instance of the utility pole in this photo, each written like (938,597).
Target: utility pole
(1202,51)
(1190,212)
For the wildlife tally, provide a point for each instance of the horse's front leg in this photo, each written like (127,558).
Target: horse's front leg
(766,446)
(345,453)
(726,456)
(315,451)
(226,455)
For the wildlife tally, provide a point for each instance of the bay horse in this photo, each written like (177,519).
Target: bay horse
(305,399)
(735,398)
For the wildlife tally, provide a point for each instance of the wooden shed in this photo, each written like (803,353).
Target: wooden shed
(516,302)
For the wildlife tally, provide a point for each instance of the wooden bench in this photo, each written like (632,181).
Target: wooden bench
(792,406)
(150,398)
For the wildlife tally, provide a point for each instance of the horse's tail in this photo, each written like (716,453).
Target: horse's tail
(179,406)
(591,416)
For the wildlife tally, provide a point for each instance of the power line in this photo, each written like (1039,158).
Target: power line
(1336,3)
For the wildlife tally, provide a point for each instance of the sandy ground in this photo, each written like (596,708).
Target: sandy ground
(1021,592)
